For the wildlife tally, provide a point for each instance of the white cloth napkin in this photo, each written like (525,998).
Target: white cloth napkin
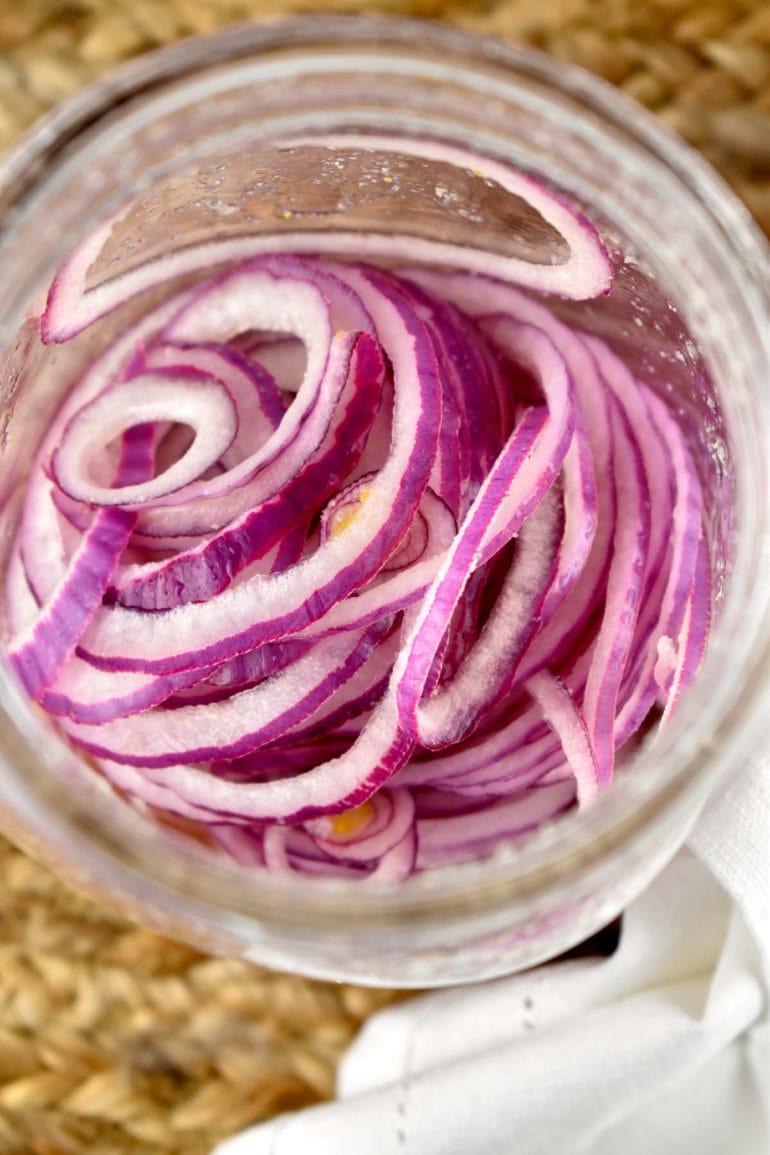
(661,1049)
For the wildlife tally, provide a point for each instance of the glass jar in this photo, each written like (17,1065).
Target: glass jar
(185,144)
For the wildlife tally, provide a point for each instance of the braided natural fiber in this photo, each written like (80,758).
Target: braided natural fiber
(113,1039)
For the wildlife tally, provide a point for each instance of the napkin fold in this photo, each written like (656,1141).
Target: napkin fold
(661,1049)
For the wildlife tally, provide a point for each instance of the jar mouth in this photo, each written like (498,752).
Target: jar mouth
(116,841)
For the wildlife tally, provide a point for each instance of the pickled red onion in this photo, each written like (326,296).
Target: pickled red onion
(380,618)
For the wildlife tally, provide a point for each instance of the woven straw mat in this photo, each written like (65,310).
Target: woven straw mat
(113,1039)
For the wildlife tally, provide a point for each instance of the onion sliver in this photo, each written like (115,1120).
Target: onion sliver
(39,652)
(206,408)
(71,307)
(236,725)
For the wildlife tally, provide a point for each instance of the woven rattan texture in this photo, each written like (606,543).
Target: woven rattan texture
(113,1039)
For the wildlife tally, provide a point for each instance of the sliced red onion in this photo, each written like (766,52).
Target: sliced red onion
(84,694)
(587,272)
(394,588)
(357,696)
(264,609)
(560,711)
(470,835)
(330,787)
(512,491)
(688,651)
(39,651)
(258,400)
(369,831)
(681,577)
(233,726)
(216,314)
(146,400)
(197,574)
(489,667)
(400,562)
(624,580)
